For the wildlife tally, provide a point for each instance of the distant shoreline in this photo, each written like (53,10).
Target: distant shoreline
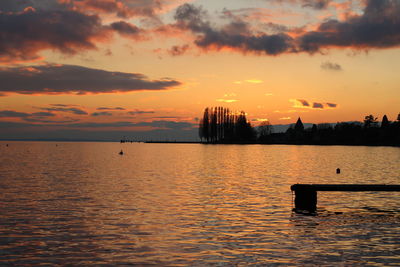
(189,142)
(255,143)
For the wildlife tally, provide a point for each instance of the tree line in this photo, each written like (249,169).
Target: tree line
(220,125)
(368,132)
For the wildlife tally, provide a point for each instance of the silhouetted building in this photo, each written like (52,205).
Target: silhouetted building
(299,127)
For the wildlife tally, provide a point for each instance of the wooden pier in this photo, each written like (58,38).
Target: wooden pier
(306,194)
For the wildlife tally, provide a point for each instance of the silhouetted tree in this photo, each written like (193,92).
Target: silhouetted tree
(385,122)
(264,131)
(205,125)
(370,121)
(219,125)
(314,128)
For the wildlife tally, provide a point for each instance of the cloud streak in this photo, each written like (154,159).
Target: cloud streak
(138,112)
(72,79)
(104,113)
(13,114)
(108,108)
(75,111)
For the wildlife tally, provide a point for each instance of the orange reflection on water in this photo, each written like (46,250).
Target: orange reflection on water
(175,204)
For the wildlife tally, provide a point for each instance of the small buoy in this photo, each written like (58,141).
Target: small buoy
(121,152)
(337,170)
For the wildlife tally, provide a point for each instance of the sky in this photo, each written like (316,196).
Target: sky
(146,69)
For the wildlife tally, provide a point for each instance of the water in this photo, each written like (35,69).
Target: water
(197,205)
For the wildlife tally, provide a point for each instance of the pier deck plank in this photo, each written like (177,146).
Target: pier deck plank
(306,194)
(345,187)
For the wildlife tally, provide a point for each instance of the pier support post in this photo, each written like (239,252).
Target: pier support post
(305,199)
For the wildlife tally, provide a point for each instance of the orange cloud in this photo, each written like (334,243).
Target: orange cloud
(226,100)
(254,81)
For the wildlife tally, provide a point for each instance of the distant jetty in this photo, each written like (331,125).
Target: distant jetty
(130,141)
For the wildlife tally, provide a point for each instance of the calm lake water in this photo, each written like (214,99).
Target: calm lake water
(191,204)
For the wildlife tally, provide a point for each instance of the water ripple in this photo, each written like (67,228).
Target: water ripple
(197,205)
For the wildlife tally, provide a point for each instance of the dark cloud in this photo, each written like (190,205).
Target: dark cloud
(177,50)
(377,27)
(107,108)
(304,102)
(24,115)
(316,4)
(136,112)
(75,111)
(122,124)
(173,125)
(317,105)
(167,124)
(235,35)
(126,29)
(43,114)
(331,66)
(13,114)
(63,105)
(104,113)
(24,34)
(30,26)
(71,79)
(40,120)
(167,117)
(331,105)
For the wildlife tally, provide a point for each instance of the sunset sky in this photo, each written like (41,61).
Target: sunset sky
(103,69)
